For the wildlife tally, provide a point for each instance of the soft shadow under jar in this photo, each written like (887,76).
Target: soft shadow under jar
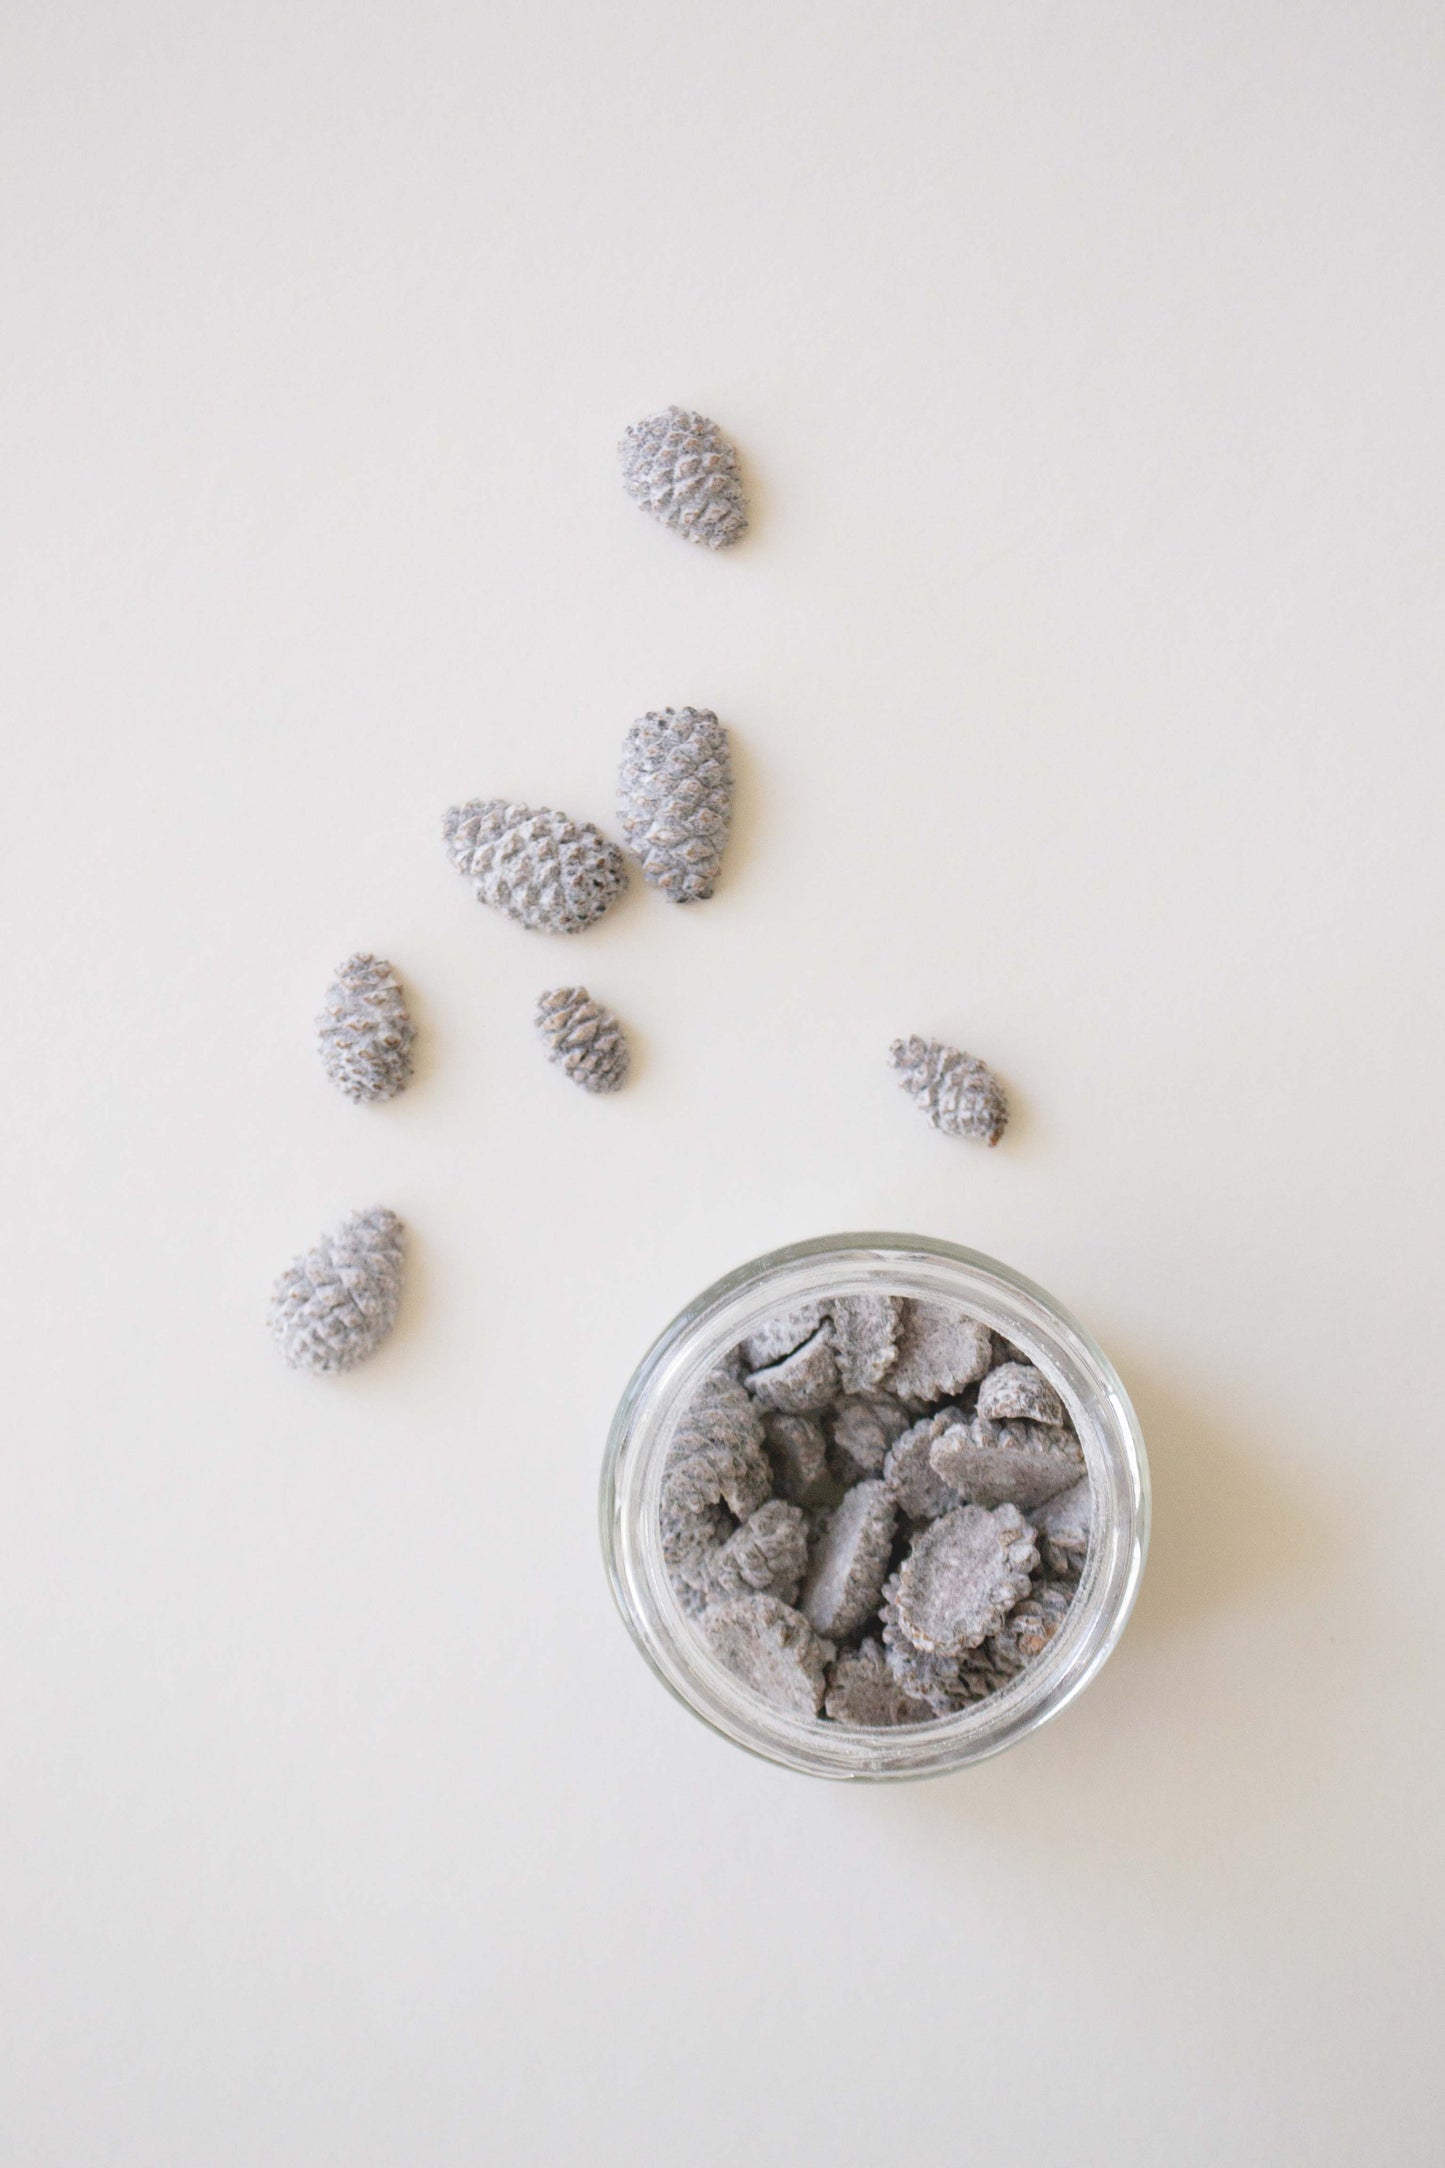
(1037,1332)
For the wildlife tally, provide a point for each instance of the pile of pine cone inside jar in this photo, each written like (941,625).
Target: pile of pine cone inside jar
(875,1511)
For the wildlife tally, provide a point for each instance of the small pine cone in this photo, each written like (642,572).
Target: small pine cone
(797,1450)
(549,873)
(849,1561)
(963,1576)
(1016,1392)
(681,468)
(1029,1627)
(769,1552)
(365,1033)
(940,1352)
(995,1464)
(958,1093)
(864,1426)
(722,1414)
(908,1469)
(333,1307)
(1063,1530)
(584,1037)
(771,1648)
(865,1335)
(862,1690)
(781,1333)
(936,1680)
(802,1382)
(692,1536)
(675,800)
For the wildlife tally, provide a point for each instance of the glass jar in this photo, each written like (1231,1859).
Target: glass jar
(665,1383)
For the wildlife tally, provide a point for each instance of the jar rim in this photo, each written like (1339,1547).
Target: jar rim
(927,1268)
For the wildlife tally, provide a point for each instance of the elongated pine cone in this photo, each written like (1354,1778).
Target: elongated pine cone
(681,468)
(333,1307)
(675,799)
(584,1038)
(365,1032)
(550,873)
(959,1094)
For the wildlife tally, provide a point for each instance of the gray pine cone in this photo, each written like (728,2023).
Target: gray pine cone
(681,468)
(583,1037)
(365,1032)
(549,873)
(958,1093)
(675,799)
(333,1307)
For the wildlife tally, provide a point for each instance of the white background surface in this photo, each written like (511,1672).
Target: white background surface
(1085,670)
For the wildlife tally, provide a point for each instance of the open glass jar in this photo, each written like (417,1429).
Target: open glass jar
(666,1383)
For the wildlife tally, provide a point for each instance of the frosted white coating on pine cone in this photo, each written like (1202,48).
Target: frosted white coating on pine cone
(680,467)
(721,1413)
(1063,1525)
(864,1426)
(994,1464)
(549,873)
(935,1680)
(779,1334)
(803,1381)
(334,1306)
(848,1562)
(963,1576)
(771,1648)
(768,1552)
(797,1450)
(940,1351)
(862,1690)
(691,1535)
(1017,1392)
(1029,1627)
(958,1093)
(909,1471)
(713,1475)
(583,1038)
(675,800)
(365,1034)
(865,1337)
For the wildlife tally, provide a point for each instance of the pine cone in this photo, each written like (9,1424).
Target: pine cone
(959,1094)
(584,1037)
(1029,1627)
(1063,1525)
(333,1307)
(963,1576)
(771,1648)
(549,873)
(675,799)
(849,1562)
(681,468)
(366,1034)
(1016,1392)
(864,1426)
(862,1690)
(768,1552)
(940,1351)
(865,1335)
(910,1474)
